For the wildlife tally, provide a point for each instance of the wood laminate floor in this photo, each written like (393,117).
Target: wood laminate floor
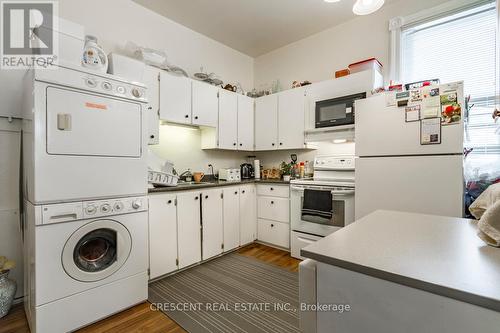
(141,318)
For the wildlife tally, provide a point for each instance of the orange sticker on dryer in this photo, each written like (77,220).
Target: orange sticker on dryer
(96,106)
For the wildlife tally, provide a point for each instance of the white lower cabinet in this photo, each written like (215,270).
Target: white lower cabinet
(276,209)
(248,214)
(273,232)
(211,219)
(188,228)
(273,212)
(162,235)
(231,218)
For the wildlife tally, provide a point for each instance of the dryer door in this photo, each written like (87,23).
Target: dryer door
(84,124)
(96,250)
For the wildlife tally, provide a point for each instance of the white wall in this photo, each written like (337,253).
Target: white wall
(184,47)
(114,22)
(317,57)
(182,145)
(10,236)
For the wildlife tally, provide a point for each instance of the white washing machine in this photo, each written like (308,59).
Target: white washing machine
(87,260)
(84,185)
(84,136)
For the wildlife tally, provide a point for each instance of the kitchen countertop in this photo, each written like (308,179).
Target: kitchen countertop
(217,183)
(441,255)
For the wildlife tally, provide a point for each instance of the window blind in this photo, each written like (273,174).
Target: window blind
(456,47)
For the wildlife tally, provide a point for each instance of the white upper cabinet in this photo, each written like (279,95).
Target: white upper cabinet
(228,120)
(151,80)
(291,119)
(205,104)
(211,212)
(231,218)
(245,123)
(266,122)
(175,98)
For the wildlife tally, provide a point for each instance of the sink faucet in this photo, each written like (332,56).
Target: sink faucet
(212,171)
(186,174)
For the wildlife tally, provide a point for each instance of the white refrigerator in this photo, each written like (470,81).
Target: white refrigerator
(396,170)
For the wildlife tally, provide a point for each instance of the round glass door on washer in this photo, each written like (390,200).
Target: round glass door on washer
(96,250)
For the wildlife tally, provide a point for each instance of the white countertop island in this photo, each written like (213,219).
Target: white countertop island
(399,269)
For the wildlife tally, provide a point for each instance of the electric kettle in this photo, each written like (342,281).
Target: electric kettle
(247,171)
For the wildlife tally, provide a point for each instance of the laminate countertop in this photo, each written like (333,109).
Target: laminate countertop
(217,183)
(441,255)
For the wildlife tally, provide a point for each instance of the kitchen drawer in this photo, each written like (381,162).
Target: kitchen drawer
(271,208)
(275,233)
(273,190)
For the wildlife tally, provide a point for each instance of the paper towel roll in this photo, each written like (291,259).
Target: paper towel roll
(256,167)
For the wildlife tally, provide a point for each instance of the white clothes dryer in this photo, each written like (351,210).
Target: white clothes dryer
(84,136)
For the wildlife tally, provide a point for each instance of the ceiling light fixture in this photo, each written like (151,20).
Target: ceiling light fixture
(365,7)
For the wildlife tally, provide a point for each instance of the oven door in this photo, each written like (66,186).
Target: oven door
(323,217)
(336,111)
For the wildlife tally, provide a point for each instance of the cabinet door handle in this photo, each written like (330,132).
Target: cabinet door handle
(241,144)
(281,143)
(272,189)
(272,144)
(235,192)
(169,202)
(272,202)
(272,225)
(195,117)
(234,144)
(243,191)
(206,196)
(151,136)
(186,116)
(195,198)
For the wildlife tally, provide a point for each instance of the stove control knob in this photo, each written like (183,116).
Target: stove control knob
(91,209)
(137,204)
(118,206)
(105,208)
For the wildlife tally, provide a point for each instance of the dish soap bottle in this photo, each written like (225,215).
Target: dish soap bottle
(94,56)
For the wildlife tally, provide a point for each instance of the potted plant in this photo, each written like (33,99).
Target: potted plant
(8,286)
(286,171)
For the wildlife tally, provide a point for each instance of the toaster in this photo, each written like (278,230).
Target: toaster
(230,175)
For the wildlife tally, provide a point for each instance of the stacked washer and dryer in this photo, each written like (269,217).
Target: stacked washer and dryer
(84,184)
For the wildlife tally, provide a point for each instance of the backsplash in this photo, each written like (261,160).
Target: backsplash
(274,158)
(182,146)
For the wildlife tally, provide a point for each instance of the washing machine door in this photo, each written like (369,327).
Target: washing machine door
(96,250)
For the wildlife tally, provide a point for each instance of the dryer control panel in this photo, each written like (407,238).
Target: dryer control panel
(73,211)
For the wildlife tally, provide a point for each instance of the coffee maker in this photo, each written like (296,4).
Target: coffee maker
(247,171)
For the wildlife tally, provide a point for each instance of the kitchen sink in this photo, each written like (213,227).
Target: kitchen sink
(193,183)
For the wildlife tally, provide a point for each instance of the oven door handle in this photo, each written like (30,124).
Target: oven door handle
(319,188)
(342,192)
(301,188)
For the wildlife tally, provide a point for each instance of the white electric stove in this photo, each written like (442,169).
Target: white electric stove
(323,204)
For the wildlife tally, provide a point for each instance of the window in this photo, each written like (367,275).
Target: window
(458,45)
